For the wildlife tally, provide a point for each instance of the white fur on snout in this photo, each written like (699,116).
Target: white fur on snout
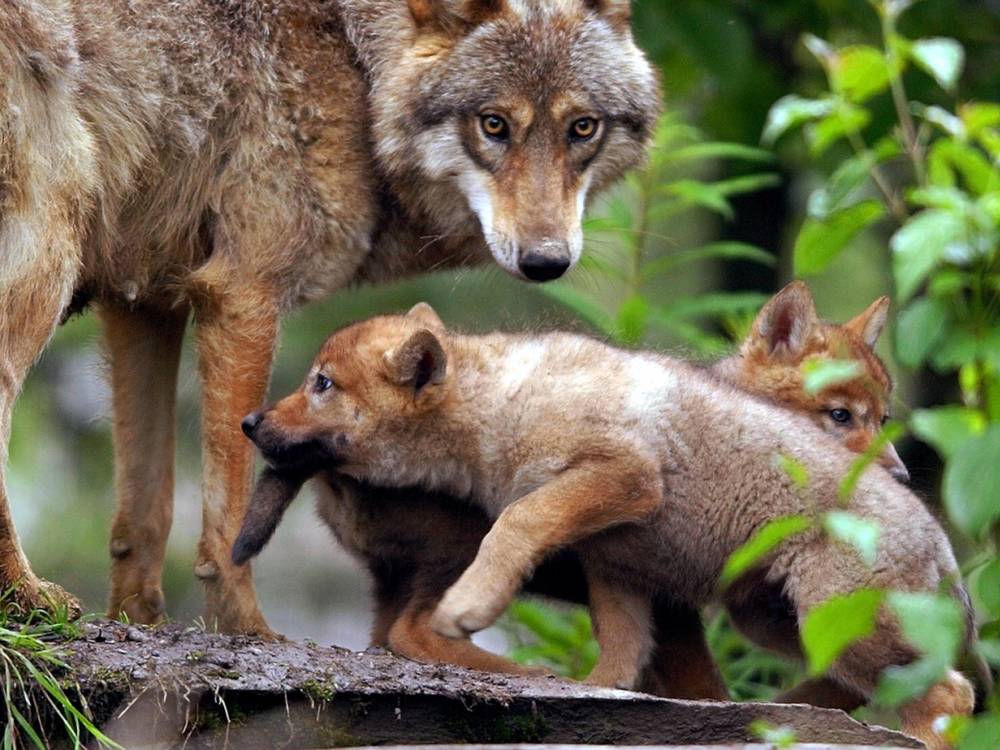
(473,183)
(576,234)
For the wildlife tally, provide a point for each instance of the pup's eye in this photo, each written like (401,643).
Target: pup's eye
(841,416)
(322,383)
(495,127)
(583,129)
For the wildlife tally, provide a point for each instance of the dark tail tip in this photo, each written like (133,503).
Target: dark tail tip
(271,496)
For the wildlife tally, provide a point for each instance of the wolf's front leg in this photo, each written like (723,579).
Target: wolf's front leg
(237,331)
(579,502)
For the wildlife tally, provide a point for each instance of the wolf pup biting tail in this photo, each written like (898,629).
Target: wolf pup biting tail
(416,544)
(230,159)
(655,473)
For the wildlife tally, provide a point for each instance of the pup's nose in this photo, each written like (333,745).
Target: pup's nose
(542,266)
(250,422)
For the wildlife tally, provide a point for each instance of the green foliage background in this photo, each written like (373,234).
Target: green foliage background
(852,143)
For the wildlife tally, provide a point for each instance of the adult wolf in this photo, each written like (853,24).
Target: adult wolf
(233,158)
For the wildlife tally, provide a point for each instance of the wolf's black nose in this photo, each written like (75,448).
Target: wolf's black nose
(250,422)
(538,267)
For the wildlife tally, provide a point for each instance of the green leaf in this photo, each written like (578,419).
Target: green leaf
(725,250)
(779,736)
(860,533)
(719,150)
(901,684)
(972,483)
(941,57)
(859,72)
(982,733)
(919,328)
(711,305)
(767,538)
(821,241)
(582,305)
(988,586)
(822,373)
(847,119)
(699,194)
(947,427)
(891,432)
(920,245)
(794,470)
(947,154)
(978,116)
(832,626)
(791,111)
(934,623)
(632,317)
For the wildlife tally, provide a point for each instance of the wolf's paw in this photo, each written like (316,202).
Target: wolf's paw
(460,614)
(30,594)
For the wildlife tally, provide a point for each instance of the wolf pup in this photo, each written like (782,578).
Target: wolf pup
(656,472)
(415,545)
(229,160)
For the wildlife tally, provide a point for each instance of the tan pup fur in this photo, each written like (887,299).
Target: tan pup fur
(416,544)
(227,160)
(656,472)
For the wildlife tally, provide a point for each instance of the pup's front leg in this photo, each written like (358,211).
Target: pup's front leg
(237,330)
(579,502)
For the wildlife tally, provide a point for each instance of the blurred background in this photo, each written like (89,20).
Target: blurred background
(713,226)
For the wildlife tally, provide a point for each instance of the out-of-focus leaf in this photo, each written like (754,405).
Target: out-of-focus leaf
(941,57)
(947,154)
(822,373)
(720,150)
(947,427)
(977,116)
(942,118)
(699,194)
(722,250)
(847,119)
(779,736)
(988,586)
(821,49)
(919,328)
(832,626)
(901,684)
(981,733)
(582,305)
(891,432)
(821,241)
(859,72)
(860,533)
(920,245)
(632,317)
(972,483)
(791,111)
(761,544)
(711,305)
(794,470)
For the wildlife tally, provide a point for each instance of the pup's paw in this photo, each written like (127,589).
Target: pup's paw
(460,614)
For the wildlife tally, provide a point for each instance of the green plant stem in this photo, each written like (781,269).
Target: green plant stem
(896,207)
(900,101)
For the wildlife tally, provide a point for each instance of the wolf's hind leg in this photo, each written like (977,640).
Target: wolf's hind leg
(681,665)
(622,625)
(144,349)
(411,636)
(237,332)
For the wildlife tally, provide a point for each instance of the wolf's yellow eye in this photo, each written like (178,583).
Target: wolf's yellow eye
(495,127)
(583,129)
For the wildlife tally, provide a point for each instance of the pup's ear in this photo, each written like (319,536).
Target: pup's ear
(617,12)
(868,325)
(271,497)
(450,15)
(425,315)
(419,361)
(783,326)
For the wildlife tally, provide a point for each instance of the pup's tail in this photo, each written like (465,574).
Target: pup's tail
(274,492)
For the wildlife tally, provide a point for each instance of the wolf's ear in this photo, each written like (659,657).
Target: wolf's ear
(785,323)
(617,12)
(425,315)
(419,361)
(450,14)
(868,325)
